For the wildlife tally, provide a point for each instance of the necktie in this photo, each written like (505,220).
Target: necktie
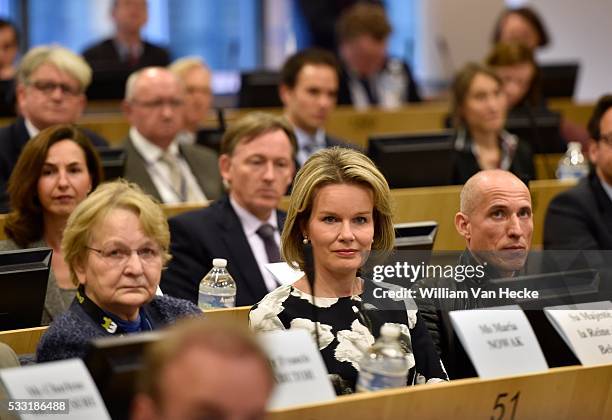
(174,170)
(266,233)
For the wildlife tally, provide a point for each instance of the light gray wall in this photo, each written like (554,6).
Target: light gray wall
(452,32)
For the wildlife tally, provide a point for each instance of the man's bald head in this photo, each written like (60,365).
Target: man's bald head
(472,191)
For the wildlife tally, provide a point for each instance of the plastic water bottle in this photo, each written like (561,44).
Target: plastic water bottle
(385,364)
(217,288)
(573,165)
(394,85)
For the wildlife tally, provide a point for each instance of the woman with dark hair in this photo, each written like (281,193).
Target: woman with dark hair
(54,173)
(514,63)
(522,25)
(478,108)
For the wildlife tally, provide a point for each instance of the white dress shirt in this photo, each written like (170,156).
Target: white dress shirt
(250,224)
(160,173)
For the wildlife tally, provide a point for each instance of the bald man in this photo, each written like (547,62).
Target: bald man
(169,171)
(496,221)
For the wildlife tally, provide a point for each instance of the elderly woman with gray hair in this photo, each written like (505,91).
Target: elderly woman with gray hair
(115,244)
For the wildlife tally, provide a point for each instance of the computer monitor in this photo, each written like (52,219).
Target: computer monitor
(113,162)
(259,89)
(23,274)
(418,236)
(558,80)
(541,129)
(114,364)
(414,160)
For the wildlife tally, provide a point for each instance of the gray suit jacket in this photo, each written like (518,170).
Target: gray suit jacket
(55,304)
(201,160)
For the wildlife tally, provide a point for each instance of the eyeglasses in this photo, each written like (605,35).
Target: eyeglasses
(120,255)
(48,88)
(159,103)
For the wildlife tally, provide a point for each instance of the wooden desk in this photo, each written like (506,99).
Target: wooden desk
(239,315)
(23,341)
(433,203)
(560,393)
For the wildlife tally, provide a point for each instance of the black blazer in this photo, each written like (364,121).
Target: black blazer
(105,57)
(465,164)
(344,93)
(580,218)
(110,73)
(214,232)
(13,138)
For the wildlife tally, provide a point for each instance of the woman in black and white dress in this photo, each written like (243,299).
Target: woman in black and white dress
(341,205)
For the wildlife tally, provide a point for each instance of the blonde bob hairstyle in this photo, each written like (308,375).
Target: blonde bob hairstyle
(95,208)
(335,165)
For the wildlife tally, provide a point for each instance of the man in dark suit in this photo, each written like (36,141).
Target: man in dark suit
(113,59)
(171,172)
(581,218)
(308,89)
(369,76)
(51,82)
(257,164)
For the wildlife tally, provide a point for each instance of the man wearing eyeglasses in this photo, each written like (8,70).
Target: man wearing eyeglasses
(51,82)
(169,171)
(581,218)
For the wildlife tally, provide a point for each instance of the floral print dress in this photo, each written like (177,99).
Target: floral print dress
(346,329)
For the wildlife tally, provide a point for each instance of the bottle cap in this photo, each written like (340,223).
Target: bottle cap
(390,330)
(219,262)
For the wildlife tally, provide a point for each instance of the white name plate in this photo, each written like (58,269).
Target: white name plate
(586,328)
(53,390)
(299,369)
(499,342)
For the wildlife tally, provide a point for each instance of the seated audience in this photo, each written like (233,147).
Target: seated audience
(204,370)
(340,205)
(581,218)
(9,44)
(521,25)
(113,59)
(478,109)
(169,171)
(308,90)
(515,65)
(115,244)
(196,78)
(51,82)
(55,172)
(369,76)
(257,165)
(496,220)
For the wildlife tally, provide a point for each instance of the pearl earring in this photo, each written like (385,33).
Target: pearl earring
(305,240)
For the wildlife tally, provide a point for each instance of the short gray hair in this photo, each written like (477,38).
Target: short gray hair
(60,57)
(181,66)
(132,81)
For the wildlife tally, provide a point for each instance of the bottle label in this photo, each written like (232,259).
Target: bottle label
(371,381)
(206,301)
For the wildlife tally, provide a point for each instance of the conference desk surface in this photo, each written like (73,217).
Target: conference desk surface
(432,203)
(354,126)
(574,392)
